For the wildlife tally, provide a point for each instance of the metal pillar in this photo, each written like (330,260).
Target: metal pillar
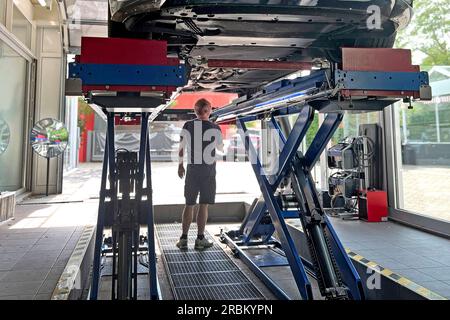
(327,261)
(124,206)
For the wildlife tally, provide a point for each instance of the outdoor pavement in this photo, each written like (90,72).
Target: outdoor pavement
(427,190)
(36,245)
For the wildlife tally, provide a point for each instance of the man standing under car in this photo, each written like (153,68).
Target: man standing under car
(200,137)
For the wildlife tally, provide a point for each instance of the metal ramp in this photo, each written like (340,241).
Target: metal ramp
(202,275)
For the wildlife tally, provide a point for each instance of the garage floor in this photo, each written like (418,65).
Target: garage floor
(35,247)
(419,256)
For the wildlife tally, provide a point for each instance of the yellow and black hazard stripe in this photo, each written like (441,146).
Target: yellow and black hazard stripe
(424,292)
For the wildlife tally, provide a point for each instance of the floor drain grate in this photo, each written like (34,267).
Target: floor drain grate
(202,275)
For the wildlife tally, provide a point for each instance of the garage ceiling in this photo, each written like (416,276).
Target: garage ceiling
(85,18)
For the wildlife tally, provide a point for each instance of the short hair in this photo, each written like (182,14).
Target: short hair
(202,106)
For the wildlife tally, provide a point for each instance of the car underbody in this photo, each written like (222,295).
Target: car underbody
(279,33)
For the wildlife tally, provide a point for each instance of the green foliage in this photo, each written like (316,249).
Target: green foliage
(310,134)
(349,127)
(428,32)
(421,122)
(58,135)
(83,107)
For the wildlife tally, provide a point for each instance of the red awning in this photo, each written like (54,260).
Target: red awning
(187,100)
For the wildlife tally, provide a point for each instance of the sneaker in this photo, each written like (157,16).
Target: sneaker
(203,244)
(182,244)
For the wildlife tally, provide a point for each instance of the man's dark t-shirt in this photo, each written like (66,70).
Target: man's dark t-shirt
(201,137)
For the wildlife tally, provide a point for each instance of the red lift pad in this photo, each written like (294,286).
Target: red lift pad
(377,59)
(123,51)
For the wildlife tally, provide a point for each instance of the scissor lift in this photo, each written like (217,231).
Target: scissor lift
(130,80)
(367,80)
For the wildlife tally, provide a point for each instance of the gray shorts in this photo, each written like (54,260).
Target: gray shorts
(198,182)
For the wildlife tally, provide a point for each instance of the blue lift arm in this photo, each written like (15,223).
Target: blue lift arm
(126,202)
(330,91)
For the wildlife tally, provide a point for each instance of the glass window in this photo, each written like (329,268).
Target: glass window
(349,126)
(13,75)
(21,27)
(424,150)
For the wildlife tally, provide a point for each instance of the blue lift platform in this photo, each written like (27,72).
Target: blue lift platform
(331,91)
(114,75)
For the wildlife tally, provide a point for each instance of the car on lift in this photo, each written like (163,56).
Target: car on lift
(295,31)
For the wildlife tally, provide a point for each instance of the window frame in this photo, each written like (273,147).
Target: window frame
(391,128)
(17,46)
(15,8)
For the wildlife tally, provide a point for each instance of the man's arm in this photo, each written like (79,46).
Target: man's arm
(181,148)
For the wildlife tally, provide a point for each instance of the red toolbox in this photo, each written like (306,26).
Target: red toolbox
(372,205)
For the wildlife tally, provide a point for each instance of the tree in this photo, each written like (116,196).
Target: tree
(428,32)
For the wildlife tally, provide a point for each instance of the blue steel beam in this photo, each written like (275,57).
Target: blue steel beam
(130,75)
(395,81)
(274,92)
(346,268)
(99,228)
(155,293)
(109,145)
(144,206)
(275,126)
(275,212)
(317,230)
(323,136)
(253,222)
(322,82)
(279,293)
(290,148)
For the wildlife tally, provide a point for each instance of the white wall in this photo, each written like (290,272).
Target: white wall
(49,100)
(46,95)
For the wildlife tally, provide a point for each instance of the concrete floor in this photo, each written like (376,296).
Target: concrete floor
(35,246)
(421,257)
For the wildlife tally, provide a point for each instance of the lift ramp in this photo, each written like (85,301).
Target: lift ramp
(366,80)
(127,85)
(202,275)
(130,81)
